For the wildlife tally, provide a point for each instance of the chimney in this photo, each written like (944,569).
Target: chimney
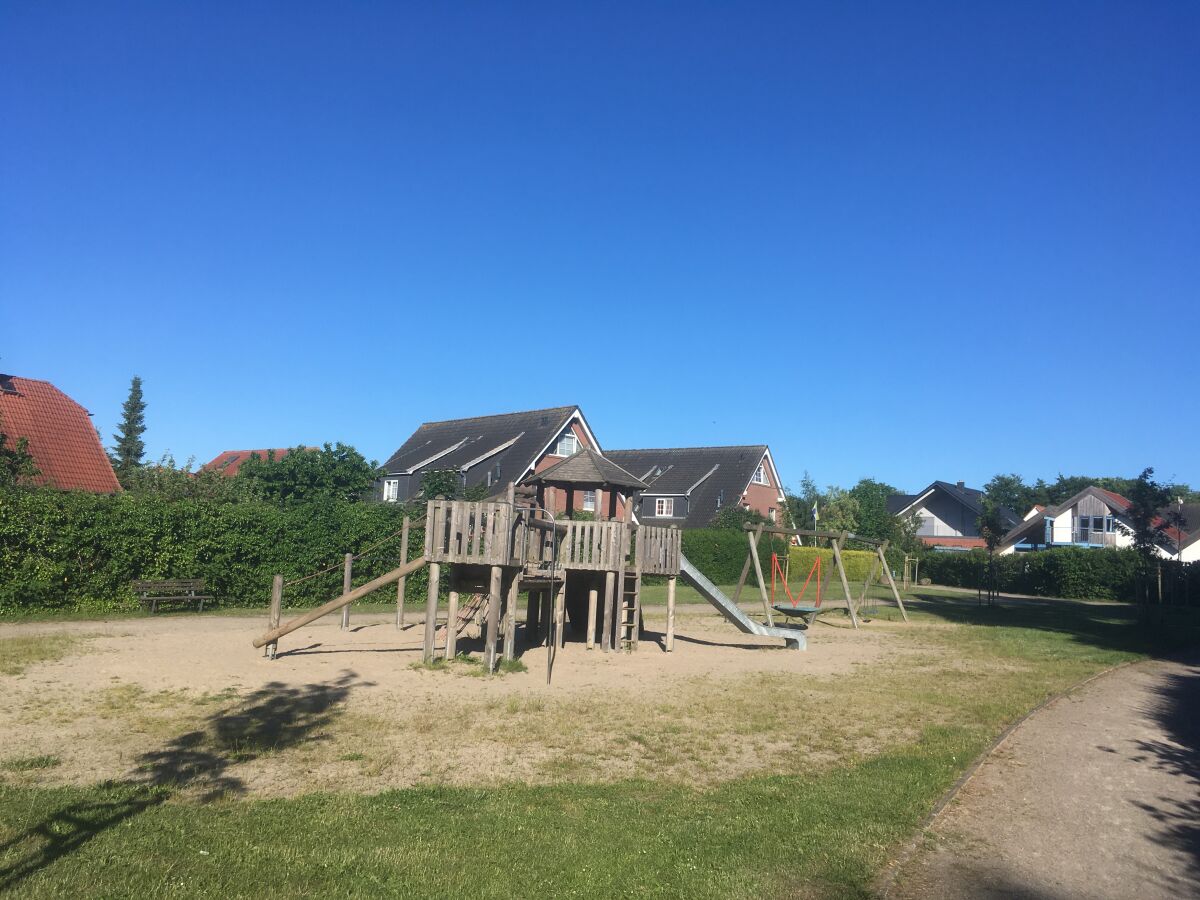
(961,485)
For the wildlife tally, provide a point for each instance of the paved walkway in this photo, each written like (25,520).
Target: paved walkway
(1096,796)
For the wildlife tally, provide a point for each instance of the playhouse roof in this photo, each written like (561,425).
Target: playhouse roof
(587,467)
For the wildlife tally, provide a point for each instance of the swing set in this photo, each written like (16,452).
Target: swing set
(819,576)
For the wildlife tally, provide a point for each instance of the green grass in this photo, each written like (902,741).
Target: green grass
(29,763)
(812,831)
(19,653)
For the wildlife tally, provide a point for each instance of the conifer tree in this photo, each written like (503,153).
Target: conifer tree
(129,448)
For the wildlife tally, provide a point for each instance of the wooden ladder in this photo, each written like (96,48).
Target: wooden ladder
(630,612)
(476,603)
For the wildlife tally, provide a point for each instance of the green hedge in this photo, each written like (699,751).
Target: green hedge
(720,554)
(80,551)
(1073,572)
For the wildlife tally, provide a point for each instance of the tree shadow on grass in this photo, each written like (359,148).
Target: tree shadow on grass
(1105,626)
(1175,709)
(196,764)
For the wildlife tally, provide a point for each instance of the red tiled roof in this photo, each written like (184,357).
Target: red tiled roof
(62,440)
(227,462)
(1123,502)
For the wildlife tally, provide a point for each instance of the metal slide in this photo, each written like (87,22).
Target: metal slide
(794,637)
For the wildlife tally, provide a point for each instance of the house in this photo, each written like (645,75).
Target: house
(227,462)
(488,452)
(62,440)
(1189,543)
(688,486)
(948,515)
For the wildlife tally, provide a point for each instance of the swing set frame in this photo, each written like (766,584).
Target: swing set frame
(836,542)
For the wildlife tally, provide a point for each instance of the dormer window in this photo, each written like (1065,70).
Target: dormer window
(568,445)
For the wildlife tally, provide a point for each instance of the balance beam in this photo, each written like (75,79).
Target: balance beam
(338,602)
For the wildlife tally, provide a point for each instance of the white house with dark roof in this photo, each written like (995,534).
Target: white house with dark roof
(688,486)
(948,514)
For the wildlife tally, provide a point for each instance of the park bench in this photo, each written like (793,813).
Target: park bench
(179,590)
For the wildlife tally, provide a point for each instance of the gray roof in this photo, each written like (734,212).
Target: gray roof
(707,472)
(971,498)
(455,443)
(590,468)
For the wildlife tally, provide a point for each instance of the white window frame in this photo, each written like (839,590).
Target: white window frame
(589,501)
(664,507)
(391,490)
(771,515)
(566,436)
(760,474)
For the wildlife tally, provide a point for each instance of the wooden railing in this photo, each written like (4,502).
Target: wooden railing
(459,531)
(658,549)
(598,546)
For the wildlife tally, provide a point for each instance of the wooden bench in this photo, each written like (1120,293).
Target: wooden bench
(179,590)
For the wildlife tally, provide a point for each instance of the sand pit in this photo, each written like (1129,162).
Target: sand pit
(347,710)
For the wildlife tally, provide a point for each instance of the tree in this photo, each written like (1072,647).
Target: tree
(991,529)
(734,517)
(173,482)
(1149,515)
(16,463)
(800,506)
(839,511)
(1011,491)
(873,518)
(303,475)
(126,455)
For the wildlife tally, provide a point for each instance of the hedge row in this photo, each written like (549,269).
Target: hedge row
(1072,572)
(721,553)
(80,551)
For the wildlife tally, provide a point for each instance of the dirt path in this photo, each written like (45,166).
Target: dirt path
(1097,796)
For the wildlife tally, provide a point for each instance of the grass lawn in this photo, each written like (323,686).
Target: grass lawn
(823,829)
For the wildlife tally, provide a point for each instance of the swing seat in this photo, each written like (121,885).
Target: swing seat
(789,610)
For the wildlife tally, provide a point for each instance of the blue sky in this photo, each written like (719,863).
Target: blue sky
(907,241)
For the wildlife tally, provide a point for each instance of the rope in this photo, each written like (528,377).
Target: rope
(360,555)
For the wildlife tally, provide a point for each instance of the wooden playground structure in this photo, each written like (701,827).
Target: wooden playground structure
(491,552)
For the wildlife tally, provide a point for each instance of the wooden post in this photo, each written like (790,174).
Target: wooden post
(452,617)
(431,601)
(758,573)
(891,581)
(591,625)
(493,619)
(637,602)
(671,613)
(273,617)
(547,618)
(837,560)
(560,604)
(403,582)
(606,636)
(510,614)
(347,585)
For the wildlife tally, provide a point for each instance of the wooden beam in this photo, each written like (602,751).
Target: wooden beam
(452,619)
(347,584)
(274,614)
(762,584)
(606,634)
(591,619)
(560,604)
(837,560)
(402,583)
(495,591)
(671,613)
(891,581)
(510,614)
(335,604)
(431,602)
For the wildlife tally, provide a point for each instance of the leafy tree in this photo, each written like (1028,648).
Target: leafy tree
(734,517)
(1149,516)
(335,472)
(1011,491)
(169,481)
(445,483)
(991,529)
(800,506)
(838,511)
(16,463)
(127,452)
(873,518)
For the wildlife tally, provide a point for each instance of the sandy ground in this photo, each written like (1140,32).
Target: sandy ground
(1096,796)
(348,710)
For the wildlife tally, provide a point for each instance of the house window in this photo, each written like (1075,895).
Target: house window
(568,445)
(771,515)
(720,498)
(664,506)
(760,475)
(589,501)
(391,490)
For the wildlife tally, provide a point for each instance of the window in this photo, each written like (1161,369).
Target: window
(589,501)
(568,445)
(391,490)
(720,498)
(760,475)
(664,506)
(771,515)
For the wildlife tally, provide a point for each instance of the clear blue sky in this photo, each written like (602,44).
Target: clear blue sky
(910,241)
